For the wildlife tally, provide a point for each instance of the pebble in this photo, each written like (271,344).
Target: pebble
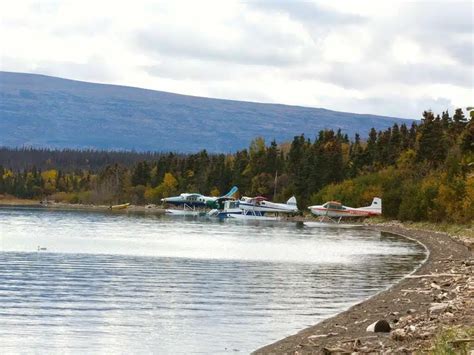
(398,334)
(380,326)
(438,308)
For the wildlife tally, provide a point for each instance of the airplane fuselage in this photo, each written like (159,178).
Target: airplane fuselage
(250,204)
(192,200)
(198,200)
(336,213)
(335,209)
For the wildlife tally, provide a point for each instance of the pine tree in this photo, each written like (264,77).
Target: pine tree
(459,121)
(432,145)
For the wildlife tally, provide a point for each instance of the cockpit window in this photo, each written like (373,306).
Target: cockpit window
(333,206)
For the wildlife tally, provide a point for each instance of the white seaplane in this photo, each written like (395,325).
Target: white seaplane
(191,201)
(334,212)
(255,208)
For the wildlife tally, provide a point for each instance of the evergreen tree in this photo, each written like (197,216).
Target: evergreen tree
(459,121)
(432,145)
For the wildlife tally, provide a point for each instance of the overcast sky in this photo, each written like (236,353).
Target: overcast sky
(393,58)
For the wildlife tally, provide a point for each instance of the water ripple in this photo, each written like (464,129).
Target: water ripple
(118,283)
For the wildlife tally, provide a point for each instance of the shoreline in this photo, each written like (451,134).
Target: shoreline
(64,206)
(417,308)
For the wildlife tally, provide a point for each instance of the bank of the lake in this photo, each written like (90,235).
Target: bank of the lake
(437,296)
(10,201)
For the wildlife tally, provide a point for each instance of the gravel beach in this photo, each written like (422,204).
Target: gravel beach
(439,294)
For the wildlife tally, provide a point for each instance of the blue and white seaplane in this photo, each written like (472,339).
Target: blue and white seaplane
(333,212)
(255,208)
(191,202)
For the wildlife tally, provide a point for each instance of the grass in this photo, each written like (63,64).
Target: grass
(14,201)
(449,341)
(461,230)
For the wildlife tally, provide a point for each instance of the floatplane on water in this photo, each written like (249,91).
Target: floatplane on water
(191,202)
(331,213)
(255,208)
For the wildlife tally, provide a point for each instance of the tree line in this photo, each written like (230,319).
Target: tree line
(422,171)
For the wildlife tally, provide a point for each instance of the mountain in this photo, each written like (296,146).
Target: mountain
(43,111)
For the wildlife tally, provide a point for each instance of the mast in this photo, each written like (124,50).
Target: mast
(275,185)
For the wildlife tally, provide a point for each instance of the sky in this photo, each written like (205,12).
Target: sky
(394,58)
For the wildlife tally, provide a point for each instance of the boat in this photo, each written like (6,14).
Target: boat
(119,207)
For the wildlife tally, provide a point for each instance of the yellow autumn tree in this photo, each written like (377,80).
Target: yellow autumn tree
(215,192)
(167,188)
(49,177)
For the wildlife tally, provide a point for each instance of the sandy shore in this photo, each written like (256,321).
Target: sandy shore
(439,294)
(132,208)
(12,202)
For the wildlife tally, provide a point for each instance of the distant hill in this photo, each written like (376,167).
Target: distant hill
(44,111)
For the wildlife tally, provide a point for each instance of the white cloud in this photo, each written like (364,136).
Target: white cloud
(396,58)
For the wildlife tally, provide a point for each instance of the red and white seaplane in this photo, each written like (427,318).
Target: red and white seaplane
(335,211)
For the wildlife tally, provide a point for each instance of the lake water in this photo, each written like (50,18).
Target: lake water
(123,283)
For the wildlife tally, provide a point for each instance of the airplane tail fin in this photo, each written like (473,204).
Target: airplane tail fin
(376,206)
(232,191)
(291,201)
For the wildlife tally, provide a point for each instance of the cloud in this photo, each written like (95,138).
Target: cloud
(307,12)
(442,27)
(372,74)
(396,105)
(245,50)
(396,58)
(196,69)
(453,17)
(258,41)
(95,69)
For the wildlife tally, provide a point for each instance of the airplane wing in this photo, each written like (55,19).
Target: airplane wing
(223,198)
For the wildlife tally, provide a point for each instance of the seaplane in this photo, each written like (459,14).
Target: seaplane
(261,204)
(191,201)
(334,211)
(255,208)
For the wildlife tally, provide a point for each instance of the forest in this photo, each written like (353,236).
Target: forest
(423,171)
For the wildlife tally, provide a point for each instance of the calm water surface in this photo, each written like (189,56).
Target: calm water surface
(118,283)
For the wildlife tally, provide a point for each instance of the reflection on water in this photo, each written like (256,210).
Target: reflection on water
(126,283)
